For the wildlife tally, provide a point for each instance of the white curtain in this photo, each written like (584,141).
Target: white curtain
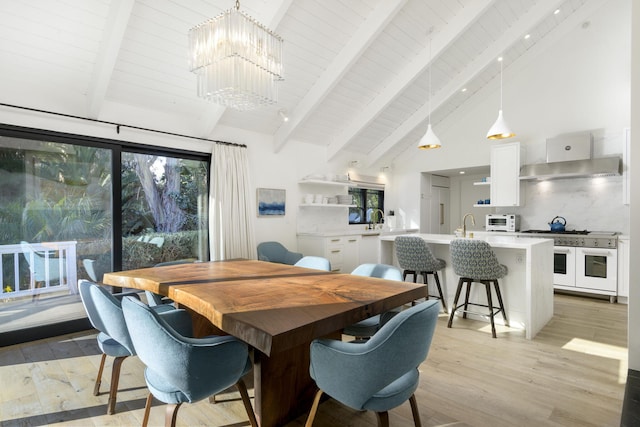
(231,204)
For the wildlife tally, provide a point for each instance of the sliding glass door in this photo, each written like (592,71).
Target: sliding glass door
(164,210)
(55,211)
(74,208)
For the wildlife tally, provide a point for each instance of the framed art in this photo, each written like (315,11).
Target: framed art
(271,202)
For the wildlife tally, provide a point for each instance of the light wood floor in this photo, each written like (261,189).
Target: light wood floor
(571,374)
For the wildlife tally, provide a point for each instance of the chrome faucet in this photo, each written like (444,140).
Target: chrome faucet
(464,223)
(376,217)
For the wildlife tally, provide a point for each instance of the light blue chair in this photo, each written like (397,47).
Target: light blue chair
(367,327)
(181,369)
(314,262)
(105,314)
(475,262)
(157,300)
(415,258)
(380,374)
(276,252)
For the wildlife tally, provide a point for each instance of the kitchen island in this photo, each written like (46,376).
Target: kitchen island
(527,289)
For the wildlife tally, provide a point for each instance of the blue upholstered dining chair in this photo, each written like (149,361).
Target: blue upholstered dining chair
(415,258)
(475,262)
(276,252)
(380,374)
(367,327)
(105,314)
(181,369)
(157,300)
(314,262)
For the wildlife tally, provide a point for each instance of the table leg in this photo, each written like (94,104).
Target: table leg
(283,387)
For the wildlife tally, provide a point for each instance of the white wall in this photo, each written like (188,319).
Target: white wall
(580,83)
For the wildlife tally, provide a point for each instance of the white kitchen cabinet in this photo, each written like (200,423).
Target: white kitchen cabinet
(505,174)
(623,269)
(369,249)
(341,251)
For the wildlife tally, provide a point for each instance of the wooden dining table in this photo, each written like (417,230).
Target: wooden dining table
(278,310)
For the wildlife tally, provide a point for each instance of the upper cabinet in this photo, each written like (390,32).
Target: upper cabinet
(505,174)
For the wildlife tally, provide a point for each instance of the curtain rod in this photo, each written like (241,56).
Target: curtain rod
(120,125)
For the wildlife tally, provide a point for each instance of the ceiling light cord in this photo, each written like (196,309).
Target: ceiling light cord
(430,139)
(501,98)
(430,80)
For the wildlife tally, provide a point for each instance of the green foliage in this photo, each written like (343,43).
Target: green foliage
(176,246)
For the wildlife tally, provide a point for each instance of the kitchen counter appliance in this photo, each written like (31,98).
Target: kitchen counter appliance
(584,261)
(502,222)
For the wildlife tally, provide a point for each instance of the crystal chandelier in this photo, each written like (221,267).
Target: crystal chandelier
(237,60)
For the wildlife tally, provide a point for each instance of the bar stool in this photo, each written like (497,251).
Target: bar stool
(475,262)
(415,257)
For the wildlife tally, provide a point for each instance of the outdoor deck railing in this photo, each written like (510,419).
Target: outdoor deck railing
(52,268)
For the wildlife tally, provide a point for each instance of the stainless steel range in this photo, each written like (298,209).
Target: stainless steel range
(580,238)
(584,261)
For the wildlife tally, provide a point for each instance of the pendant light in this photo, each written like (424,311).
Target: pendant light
(500,129)
(429,140)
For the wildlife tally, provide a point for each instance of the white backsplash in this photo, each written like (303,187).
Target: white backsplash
(312,219)
(593,204)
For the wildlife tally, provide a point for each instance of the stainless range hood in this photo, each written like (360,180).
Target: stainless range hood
(605,166)
(570,156)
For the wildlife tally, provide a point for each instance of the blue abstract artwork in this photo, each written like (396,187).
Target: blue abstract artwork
(271,202)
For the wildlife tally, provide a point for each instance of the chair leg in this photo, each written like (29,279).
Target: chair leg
(499,295)
(171,415)
(113,391)
(147,410)
(414,410)
(242,388)
(490,304)
(314,409)
(383,419)
(96,388)
(466,297)
(426,283)
(442,300)
(455,302)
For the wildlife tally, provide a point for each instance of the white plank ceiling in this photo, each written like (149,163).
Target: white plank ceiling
(356,71)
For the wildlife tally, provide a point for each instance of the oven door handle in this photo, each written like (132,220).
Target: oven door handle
(598,252)
(561,250)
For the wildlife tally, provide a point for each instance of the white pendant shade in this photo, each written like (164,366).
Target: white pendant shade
(500,129)
(429,140)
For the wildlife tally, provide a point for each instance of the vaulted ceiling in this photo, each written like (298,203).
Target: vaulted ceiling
(355,71)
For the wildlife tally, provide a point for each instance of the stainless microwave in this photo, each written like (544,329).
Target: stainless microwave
(502,222)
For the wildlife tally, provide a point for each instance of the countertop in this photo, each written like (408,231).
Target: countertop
(361,232)
(502,241)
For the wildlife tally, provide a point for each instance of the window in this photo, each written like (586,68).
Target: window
(369,206)
(75,207)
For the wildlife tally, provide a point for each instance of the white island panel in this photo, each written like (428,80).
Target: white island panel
(527,289)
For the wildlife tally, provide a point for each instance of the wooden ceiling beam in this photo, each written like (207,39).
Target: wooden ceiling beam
(107,55)
(440,42)
(525,23)
(348,56)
